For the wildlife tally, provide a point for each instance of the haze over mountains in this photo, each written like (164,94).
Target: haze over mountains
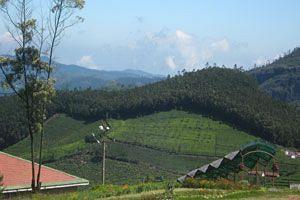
(74,76)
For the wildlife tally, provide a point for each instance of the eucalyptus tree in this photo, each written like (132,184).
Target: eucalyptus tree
(26,73)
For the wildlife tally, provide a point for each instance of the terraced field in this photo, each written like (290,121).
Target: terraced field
(158,146)
(180,132)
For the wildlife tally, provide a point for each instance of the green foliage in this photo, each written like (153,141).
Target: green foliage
(223,184)
(159,193)
(113,190)
(28,71)
(12,121)
(227,95)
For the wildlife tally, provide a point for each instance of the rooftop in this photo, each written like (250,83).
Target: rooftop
(17,175)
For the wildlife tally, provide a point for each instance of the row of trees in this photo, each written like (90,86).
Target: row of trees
(25,73)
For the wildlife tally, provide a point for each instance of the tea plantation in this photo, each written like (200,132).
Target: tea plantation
(160,146)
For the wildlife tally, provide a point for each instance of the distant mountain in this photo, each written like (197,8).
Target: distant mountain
(281,78)
(73,76)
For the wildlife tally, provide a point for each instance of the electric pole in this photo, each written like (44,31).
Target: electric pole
(103,162)
(104,127)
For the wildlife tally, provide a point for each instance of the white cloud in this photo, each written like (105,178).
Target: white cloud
(188,47)
(220,45)
(164,51)
(260,61)
(266,60)
(188,51)
(183,44)
(170,62)
(183,37)
(87,61)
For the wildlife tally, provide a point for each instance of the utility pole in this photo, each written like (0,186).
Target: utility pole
(104,127)
(103,162)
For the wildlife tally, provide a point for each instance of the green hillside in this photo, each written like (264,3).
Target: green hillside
(281,78)
(164,144)
(228,95)
(179,132)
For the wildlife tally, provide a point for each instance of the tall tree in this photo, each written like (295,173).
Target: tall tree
(26,74)
(62,18)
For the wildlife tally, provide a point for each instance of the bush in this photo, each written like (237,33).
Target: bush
(102,191)
(191,183)
(222,183)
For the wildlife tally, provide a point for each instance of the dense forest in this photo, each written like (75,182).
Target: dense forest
(12,121)
(281,78)
(225,94)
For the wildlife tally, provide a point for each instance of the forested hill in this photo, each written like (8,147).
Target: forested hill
(225,94)
(229,95)
(281,78)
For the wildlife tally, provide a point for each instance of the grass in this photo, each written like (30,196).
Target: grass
(165,144)
(159,191)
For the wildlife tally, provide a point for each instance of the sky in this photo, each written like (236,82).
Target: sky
(165,36)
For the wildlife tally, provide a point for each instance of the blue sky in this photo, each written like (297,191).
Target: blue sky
(164,36)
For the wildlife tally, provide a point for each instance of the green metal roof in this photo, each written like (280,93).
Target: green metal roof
(249,155)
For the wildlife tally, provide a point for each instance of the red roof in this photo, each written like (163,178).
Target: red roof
(17,174)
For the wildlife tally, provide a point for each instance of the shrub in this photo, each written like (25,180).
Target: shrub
(102,191)
(222,183)
(191,183)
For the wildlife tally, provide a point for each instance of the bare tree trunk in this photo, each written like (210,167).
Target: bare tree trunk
(27,96)
(48,77)
(38,180)
(32,163)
